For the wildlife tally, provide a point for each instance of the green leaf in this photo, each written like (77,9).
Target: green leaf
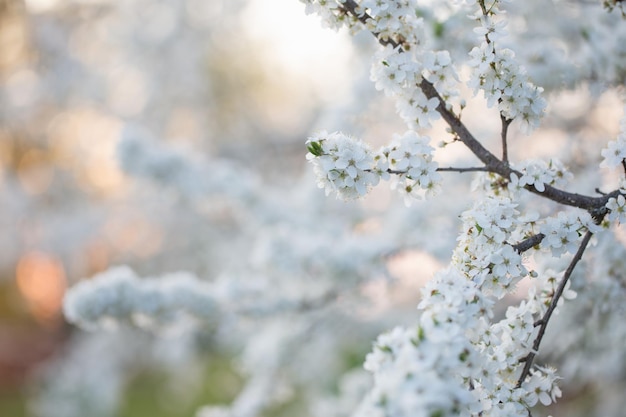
(385,348)
(438,28)
(315,148)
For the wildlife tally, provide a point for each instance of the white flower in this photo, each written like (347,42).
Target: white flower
(541,386)
(375,7)
(507,261)
(617,207)
(482,58)
(494,30)
(535,173)
(614,153)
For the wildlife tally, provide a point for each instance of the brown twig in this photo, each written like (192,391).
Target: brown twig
(503,134)
(465,169)
(528,243)
(543,322)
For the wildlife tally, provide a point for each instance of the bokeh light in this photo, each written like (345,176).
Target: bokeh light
(42,282)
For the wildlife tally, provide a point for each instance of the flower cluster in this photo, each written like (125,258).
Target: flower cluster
(331,13)
(399,73)
(394,73)
(117,296)
(395,21)
(457,360)
(410,156)
(343,164)
(538,173)
(439,71)
(483,252)
(406,61)
(501,79)
(420,371)
(563,231)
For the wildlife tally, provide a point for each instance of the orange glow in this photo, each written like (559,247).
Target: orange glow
(97,254)
(413,268)
(35,172)
(84,142)
(41,280)
(410,270)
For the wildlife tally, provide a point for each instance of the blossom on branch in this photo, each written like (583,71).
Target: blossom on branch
(119,297)
(410,157)
(501,79)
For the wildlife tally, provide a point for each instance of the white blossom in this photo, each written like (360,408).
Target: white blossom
(538,174)
(617,207)
(541,387)
(562,233)
(118,296)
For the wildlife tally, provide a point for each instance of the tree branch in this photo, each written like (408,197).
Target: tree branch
(594,205)
(443,169)
(543,322)
(528,243)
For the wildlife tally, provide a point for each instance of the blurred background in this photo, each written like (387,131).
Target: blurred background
(229,79)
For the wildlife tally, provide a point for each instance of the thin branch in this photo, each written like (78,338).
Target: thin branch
(528,243)
(594,205)
(481,3)
(553,304)
(464,135)
(467,169)
(505,128)
(442,169)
